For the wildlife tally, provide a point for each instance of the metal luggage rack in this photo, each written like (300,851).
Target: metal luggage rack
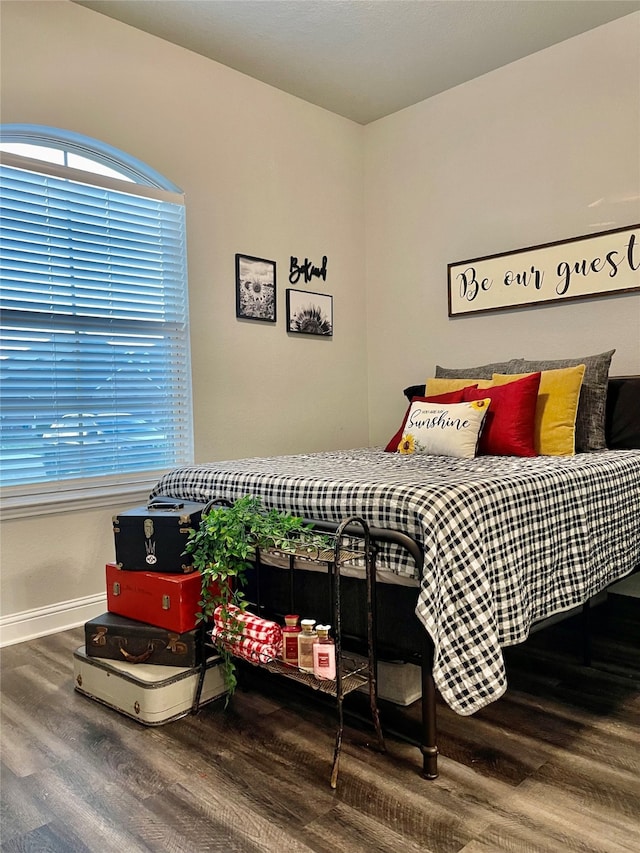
(349,543)
(355,530)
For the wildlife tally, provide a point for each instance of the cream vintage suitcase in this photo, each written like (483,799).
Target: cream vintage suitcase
(151,695)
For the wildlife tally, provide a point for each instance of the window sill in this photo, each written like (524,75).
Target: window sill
(73,500)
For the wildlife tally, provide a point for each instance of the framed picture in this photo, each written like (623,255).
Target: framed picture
(255,288)
(309,313)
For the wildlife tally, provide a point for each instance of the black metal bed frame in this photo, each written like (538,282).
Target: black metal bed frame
(427,741)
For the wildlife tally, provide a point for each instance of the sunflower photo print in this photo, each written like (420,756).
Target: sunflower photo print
(255,288)
(309,313)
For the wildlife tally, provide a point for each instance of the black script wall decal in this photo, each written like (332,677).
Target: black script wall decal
(306,270)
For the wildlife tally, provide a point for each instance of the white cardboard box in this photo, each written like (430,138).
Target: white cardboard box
(398,682)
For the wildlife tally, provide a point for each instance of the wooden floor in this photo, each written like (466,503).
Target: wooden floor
(552,766)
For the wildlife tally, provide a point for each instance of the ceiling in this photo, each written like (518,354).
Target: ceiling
(364,59)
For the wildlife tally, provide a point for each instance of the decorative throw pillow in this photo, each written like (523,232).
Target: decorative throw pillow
(414,391)
(590,423)
(451,397)
(443,429)
(556,409)
(623,413)
(436,385)
(509,428)
(485,371)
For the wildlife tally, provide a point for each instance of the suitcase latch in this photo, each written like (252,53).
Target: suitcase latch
(116,588)
(166,602)
(100,637)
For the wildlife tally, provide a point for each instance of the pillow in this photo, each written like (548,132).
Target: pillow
(436,385)
(443,429)
(556,409)
(622,423)
(509,428)
(414,391)
(485,371)
(590,423)
(452,397)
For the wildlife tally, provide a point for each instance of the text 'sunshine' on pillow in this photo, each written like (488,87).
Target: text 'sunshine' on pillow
(442,429)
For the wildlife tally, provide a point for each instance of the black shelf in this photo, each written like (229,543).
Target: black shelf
(351,675)
(352,678)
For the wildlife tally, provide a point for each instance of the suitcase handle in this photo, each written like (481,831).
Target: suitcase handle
(165,503)
(173,503)
(137,658)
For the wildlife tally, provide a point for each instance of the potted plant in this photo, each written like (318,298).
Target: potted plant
(223,547)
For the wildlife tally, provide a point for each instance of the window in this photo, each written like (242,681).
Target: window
(95,378)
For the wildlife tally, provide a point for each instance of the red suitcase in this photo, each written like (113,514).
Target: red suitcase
(164,600)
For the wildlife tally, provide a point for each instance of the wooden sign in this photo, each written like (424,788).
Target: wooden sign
(583,267)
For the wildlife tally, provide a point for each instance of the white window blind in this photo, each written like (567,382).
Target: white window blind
(94,360)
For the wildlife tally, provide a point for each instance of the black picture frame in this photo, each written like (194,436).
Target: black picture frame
(255,288)
(309,313)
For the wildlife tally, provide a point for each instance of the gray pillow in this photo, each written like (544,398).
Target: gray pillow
(590,420)
(485,371)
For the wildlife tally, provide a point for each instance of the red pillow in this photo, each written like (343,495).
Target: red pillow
(449,397)
(510,423)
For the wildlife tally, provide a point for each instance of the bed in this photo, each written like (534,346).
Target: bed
(504,541)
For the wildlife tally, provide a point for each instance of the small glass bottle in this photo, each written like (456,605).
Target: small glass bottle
(290,634)
(306,639)
(324,654)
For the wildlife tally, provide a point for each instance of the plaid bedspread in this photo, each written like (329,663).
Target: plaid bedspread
(507,541)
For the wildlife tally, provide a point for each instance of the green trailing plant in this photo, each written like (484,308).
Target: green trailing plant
(223,548)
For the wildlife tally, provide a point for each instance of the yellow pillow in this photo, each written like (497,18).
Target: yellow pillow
(556,409)
(443,386)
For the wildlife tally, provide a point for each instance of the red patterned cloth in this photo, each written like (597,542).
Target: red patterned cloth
(248,625)
(246,635)
(244,647)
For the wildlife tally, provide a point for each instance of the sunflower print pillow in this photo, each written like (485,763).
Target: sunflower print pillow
(444,430)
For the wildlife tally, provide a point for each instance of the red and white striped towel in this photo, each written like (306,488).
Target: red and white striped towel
(245,624)
(246,647)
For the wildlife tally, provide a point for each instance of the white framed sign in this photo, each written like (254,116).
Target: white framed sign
(582,267)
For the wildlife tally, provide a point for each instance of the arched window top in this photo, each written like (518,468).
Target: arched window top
(95,380)
(84,152)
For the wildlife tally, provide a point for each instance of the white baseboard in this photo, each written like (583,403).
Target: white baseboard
(19,627)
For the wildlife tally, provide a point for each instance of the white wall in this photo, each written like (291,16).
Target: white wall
(544,149)
(264,174)
(509,160)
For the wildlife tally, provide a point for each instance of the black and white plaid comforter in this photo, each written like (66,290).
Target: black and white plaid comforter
(507,541)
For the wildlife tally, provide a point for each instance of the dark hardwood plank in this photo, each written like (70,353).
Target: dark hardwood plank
(553,765)
(19,814)
(54,837)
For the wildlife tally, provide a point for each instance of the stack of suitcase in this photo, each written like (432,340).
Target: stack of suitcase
(146,656)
